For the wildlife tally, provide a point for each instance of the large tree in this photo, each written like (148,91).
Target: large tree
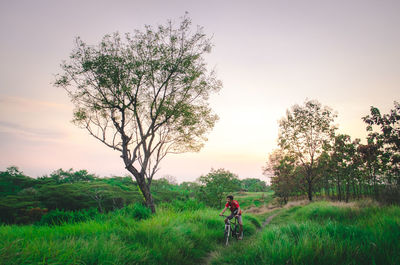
(303,133)
(144,95)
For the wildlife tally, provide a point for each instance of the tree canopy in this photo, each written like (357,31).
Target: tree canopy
(144,94)
(216,185)
(313,160)
(303,132)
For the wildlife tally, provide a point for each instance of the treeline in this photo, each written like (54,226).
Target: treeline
(79,195)
(314,160)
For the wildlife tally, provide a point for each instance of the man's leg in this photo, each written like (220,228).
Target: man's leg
(239,218)
(229,217)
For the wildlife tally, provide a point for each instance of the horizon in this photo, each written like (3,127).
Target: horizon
(270,55)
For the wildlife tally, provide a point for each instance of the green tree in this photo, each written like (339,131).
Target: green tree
(387,137)
(66,196)
(303,133)
(283,179)
(13,180)
(145,95)
(343,164)
(216,185)
(374,164)
(70,176)
(253,184)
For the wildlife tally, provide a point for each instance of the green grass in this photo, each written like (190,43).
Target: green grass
(253,199)
(169,237)
(320,233)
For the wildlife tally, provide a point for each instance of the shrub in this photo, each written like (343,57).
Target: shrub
(137,211)
(36,214)
(59,217)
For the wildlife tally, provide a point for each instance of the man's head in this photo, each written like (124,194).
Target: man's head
(229,198)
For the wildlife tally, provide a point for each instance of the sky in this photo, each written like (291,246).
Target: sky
(269,55)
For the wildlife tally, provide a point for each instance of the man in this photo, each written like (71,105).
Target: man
(235,212)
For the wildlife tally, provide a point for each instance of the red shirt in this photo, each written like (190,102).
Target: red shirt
(233,205)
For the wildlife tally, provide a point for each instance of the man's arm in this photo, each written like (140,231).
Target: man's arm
(238,211)
(223,211)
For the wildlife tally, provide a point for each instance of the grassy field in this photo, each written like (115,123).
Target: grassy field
(253,199)
(323,233)
(317,233)
(169,237)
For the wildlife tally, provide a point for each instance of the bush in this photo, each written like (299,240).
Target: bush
(59,217)
(389,195)
(35,214)
(137,211)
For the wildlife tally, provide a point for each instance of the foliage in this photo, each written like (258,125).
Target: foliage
(25,200)
(386,143)
(69,196)
(12,181)
(168,237)
(184,205)
(60,217)
(216,185)
(145,95)
(283,180)
(323,234)
(253,199)
(302,134)
(15,209)
(164,191)
(336,166)
(343,165)
(253,185)
(61,176)
(136,211)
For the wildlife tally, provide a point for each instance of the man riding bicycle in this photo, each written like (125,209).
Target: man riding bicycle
(235,212)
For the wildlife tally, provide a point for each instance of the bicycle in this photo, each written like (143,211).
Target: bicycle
(231,230)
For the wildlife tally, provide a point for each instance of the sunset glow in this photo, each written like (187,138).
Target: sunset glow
(269,55)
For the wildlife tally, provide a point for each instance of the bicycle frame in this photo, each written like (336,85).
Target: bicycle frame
(231,229)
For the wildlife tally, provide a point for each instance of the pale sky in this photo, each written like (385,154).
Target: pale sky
(269,55)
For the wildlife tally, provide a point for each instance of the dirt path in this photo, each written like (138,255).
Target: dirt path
(268,220)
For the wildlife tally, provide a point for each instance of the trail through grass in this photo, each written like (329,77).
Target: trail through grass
(317,233)
(321,233)
(169,237)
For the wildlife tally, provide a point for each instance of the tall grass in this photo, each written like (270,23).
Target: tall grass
(169,237)
(253,199)
(320,233)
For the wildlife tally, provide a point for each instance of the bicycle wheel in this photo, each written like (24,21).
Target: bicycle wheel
(235,232)
(227,234)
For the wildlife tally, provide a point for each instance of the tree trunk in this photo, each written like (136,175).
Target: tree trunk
(327,189)
(310,195)
(375,186)
(309,188)
(339,189)
(144,188)
(354,189)
(347,191)
(148,198)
